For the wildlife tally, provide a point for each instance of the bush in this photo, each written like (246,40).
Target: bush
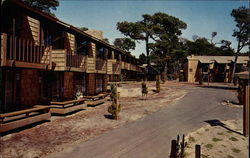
(115,108)
(144,89)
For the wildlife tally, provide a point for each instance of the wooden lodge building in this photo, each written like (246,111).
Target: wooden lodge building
(213,68)
(44,59)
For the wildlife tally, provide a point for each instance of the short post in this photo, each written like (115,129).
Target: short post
(173,153)
(197,151)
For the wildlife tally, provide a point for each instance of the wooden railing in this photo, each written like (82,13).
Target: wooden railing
(77,61)
(101,64)
(116,68)
(21,49)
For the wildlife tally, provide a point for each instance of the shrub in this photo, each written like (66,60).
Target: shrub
(144,89)
(115,108)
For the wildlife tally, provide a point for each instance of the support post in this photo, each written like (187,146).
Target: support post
(173,153)
(197,151)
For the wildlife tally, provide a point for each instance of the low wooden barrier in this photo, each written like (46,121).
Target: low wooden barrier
(66,107)
(13,120)
(96,100)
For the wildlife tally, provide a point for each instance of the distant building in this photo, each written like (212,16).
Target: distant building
(213,68)
(95,33)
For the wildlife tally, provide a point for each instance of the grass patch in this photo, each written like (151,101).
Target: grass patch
(204,156)
(236,150)
(229,156)
(216,139)
(229,132)
(207,129)
(199,133)
(233,139)
(209,146)
(220,133)
(224,145)
(191,139)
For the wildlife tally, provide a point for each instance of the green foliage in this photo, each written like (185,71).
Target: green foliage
(115,108)
(83,28)
(106,40)
(161,28)
(216,139)
(209,146)
(125,44)
(241,33)
(43,5)
(158,84)
(233,139)
(143,58)
(236,150)
(144,88)
(181,77)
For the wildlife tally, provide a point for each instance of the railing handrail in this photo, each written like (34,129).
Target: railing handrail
(76,60)
(23,49)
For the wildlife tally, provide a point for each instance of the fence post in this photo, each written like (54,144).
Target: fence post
(173,153)
(197,151)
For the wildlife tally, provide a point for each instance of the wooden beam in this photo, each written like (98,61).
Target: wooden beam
(26,64)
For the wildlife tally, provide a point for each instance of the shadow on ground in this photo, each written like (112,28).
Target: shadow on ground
(23,128)
(219,123)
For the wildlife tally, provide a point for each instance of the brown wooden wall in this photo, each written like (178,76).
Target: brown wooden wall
(29,91)
(68,85)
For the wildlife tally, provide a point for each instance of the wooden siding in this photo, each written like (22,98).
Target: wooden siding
(31,29)
(109,67)
(58,58)
(91,65)
(69,42)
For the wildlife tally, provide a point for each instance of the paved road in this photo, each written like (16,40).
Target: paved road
(151,136)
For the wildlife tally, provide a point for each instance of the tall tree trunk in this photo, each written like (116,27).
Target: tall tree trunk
(235,61)
(147,51)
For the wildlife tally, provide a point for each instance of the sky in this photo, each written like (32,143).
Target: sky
(202,17)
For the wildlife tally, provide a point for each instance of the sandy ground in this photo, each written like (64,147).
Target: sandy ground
(219,141)
(66,131)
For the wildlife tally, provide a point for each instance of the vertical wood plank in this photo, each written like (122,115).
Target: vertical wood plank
(11,48)
(27,51)
(19,49)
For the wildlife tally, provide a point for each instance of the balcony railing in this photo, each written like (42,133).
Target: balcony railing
(25,50)
(116,68)
(77,61)
(101,64)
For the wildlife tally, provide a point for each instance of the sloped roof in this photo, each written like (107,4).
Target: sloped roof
(73,28)
(219,59)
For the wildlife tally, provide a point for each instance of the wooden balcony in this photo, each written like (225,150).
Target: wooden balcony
(63,60)
(20,52)
(76,62)
(101,65)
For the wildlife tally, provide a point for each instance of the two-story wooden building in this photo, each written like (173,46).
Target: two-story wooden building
(44,59)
